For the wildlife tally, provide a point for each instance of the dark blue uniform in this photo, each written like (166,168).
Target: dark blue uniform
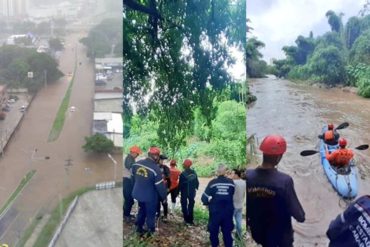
(148,185)
(127,188)
(219,197)
(188,185)
(271,203)
(352,227)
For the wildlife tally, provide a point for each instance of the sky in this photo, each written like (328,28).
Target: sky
(279,22)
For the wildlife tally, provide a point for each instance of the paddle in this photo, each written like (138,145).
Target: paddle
(311,152)
(342,126)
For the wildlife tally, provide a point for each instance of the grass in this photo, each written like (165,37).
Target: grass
(55,218)
(200,215)
(60,117)
(14,195)
(28,232)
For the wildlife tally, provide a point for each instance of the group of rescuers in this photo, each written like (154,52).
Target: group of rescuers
(271,197)
(149,181)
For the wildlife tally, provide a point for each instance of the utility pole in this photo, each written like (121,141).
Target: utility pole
(115,165)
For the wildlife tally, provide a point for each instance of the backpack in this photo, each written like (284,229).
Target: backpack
(352,227)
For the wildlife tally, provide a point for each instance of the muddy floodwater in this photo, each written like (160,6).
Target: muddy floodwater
(298,112)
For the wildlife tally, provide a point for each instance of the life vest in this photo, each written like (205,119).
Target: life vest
(329,135)
(340,157)
(174,176)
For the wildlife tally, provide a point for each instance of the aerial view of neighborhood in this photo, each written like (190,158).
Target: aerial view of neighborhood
(61,129)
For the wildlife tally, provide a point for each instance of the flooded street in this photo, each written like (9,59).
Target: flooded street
(298,113)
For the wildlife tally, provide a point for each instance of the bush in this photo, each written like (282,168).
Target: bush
(98,143)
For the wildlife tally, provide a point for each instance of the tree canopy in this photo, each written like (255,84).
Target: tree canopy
(336,57)
(103,37)
(176,55)
(16,62)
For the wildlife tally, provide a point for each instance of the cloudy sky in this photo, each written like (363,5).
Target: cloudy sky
(279,22)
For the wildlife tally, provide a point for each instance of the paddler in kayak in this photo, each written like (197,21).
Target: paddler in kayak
(331,136)
(340,157)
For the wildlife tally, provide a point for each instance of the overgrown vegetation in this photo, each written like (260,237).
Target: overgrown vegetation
(16,62)
(340,56)
(223,141)
(102,37)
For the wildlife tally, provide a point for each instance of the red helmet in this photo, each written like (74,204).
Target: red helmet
(135,149)
(330,126)
(273,145)
(154,150)
(173,163)
(187,163)
(342,142)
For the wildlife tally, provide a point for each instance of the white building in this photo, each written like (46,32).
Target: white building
(14,8)
(109,124)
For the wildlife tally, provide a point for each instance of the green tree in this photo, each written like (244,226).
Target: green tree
(327,65)
(228,142)
(102,37)
(178,51)
(16,62)
(55,44)
(282,67)
(334,20)
(360,52)
(352,31)
(255,66)
(98,143)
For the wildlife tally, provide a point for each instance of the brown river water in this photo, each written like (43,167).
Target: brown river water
(298,112)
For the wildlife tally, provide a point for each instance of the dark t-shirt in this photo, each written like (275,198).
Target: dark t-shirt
(271,202)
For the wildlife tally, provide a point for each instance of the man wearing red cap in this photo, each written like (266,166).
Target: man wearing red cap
(188,185)
(340,157)
(271,198)
(148,186)
(331,136)
(127,185)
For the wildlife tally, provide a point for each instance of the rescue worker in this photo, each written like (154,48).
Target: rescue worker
(340,157)
(188,185)
(174,188)
(165,171)
(239,196)
(351,228)
(271,198)
(218,196)
(148,186)
(330,136)
(127,183)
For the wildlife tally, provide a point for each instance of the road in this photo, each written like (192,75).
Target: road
(51,180)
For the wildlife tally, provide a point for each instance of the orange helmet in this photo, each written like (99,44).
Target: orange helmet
(173,163)
(342,142)
(330,126)
(135,149)
(187,163)
(273,145)
(154,150)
